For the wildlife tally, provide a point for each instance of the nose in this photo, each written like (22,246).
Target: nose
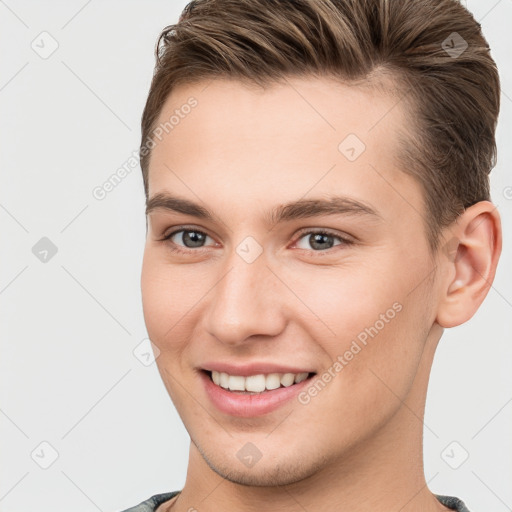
(245,302)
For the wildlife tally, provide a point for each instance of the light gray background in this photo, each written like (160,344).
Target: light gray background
(69,326)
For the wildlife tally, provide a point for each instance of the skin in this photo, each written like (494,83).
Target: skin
(357,445)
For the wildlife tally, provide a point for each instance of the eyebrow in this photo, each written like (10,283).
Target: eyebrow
(300,209)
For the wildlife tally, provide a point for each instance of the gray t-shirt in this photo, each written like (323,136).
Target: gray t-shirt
(152,503)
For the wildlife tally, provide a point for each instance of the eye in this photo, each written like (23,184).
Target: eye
(320,240)
(186,238)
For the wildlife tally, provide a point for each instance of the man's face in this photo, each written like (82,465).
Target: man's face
(263,295)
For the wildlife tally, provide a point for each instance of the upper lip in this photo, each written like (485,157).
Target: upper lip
(254,368)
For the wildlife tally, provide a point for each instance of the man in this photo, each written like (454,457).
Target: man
(318,210)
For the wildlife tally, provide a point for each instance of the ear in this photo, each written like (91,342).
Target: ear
(468,262)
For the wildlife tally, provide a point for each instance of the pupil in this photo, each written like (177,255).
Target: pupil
(318,241)
(192,238)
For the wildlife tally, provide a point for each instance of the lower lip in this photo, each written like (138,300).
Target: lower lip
(245,405)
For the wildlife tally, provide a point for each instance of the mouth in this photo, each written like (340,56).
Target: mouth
(256,384)
(252,395)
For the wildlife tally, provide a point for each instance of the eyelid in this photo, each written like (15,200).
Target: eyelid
(344,238)
(176,229)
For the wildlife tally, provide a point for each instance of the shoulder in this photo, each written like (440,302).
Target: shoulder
(453,503)
(152,503)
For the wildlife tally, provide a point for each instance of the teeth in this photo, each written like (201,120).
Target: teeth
(287,379)
(300,377)
(254,383)
(257,383)
(224,380)
(236,383)
(273,381)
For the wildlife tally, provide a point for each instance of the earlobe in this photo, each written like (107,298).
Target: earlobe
(468,263)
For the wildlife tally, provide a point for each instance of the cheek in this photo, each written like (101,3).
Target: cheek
(373,317)
(162,292)
(171,296)
(163,307)
(338,303)
(156,296)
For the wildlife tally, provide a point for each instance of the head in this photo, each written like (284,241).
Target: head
(369,123)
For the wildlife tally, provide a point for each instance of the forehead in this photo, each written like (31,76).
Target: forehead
(280,142)
(295,106)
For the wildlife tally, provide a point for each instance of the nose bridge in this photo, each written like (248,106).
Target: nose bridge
(243,303)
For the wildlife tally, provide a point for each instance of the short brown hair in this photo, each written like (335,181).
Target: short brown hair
(452,98)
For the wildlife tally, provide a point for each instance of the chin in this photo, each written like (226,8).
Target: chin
(284,469)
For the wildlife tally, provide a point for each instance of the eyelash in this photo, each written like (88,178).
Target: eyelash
(179,249)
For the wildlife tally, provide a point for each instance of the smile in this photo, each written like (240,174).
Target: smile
(252,395)
(256,383)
